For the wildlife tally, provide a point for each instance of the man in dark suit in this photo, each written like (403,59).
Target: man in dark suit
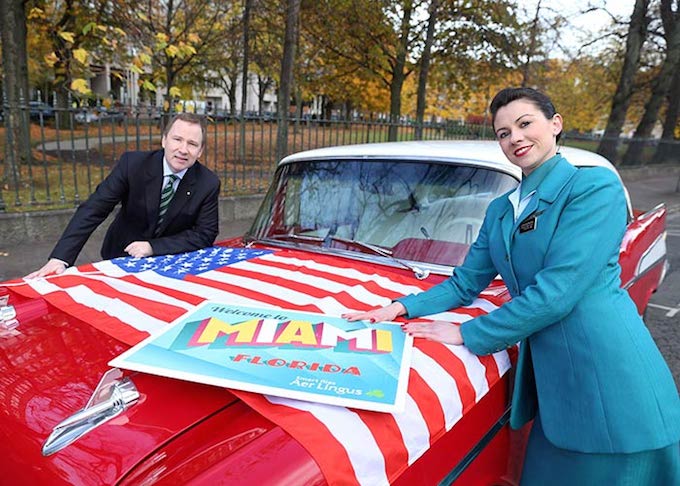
(168,202)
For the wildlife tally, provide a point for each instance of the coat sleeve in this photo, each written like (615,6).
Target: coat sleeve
(586,239)
(467,281)
(204,230)
(92,212)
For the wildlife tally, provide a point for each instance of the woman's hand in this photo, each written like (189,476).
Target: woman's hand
(387,313)
(440,331)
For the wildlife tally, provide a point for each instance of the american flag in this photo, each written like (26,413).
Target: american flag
(130,298)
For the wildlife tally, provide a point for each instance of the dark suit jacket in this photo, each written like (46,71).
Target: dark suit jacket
(190,223)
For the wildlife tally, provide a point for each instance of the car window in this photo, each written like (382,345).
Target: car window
(418,211)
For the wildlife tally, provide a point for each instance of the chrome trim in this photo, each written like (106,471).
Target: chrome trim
(8,313)
(659,247)
(654,209)
(112,396)
(638,276)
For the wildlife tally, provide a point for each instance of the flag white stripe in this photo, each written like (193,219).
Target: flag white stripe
(189,288)
(474,369)
(350,431)
(328,305)
(111,306)
(485,305)
(129,288)
(503,363)
(441,383)
(352,273)
(358,291)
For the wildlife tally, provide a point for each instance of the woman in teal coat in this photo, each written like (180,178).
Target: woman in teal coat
(606,410)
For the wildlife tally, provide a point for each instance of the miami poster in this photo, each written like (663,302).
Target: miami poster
(300,355)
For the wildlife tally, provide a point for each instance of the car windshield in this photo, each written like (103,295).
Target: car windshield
(418,211)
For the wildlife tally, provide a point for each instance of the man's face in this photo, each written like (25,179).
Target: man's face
(183,145)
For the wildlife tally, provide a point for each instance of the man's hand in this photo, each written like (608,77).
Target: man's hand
(52,267)
(139,249)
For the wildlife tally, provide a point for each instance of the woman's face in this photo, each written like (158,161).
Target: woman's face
(526,136)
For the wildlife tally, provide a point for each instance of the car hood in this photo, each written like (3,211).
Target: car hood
(51,366)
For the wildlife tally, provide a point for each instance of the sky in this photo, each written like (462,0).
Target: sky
(591,23)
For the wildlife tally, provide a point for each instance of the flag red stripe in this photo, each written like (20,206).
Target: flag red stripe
(313,434)
(428,404)
(162,311)
(454,367)
(370,285)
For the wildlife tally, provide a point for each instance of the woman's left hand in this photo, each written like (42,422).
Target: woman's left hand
(440,331)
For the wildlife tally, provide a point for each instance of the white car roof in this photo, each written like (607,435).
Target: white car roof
(477,152)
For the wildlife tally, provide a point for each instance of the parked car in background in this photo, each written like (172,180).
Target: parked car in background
(38,109)
(342,228)
(86,116)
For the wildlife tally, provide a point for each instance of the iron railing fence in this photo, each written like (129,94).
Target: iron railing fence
(70,150)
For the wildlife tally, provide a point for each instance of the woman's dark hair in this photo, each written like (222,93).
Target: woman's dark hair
(508,95)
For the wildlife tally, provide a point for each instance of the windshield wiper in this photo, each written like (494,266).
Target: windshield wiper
(249,240)
(417,271)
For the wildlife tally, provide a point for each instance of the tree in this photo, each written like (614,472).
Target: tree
(637,33)
(15,86)
(668,145)
(286,78)
(174,37)
(662,83)
(425,68)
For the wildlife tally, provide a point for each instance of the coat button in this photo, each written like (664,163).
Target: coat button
(507,258)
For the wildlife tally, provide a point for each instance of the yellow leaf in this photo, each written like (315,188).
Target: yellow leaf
(142,16)
(194,38)
(67,36)
(80,55)
(120,31)
(107,102)
(187,50)
(161,37)
(144,58)
(148,85)
(51,59)
(36,13)
(80,86)
(136,69)
(172,51)
(101,28)
(175,92)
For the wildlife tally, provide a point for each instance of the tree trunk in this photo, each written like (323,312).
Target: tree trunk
(287,62)
(15,85)
(244,78)
(662,83)
(637,33)
(398,75)
(425,69)
(533,40)
(669,147)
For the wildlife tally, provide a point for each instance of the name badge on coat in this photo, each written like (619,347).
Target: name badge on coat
(530,223)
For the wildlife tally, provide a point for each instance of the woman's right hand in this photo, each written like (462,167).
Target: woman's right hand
(387,313)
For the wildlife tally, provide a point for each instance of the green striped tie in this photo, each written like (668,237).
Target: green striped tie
(166,196)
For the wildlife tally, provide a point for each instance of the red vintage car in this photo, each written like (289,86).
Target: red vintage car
(343,228)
